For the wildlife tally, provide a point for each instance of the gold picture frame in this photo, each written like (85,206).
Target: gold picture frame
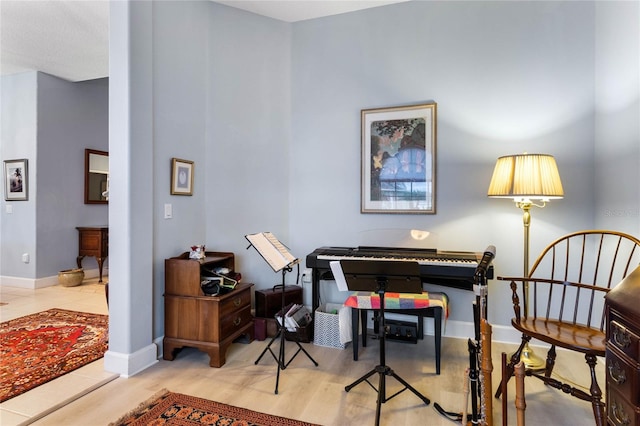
(181,177)
(398,169)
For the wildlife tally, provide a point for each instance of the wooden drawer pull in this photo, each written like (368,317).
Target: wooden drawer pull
(621,336)
(619,415)
(237,321)
(617,374)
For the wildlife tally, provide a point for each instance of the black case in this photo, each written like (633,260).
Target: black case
(403,331)
(269,302)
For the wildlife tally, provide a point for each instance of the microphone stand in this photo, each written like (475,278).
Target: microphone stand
(474,348)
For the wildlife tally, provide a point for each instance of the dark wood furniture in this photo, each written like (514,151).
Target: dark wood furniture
(568,283)
(623,352)
(193,319)
(93,241)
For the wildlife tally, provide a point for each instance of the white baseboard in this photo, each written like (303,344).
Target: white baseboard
(158,342)
(466,330)
(95,273)
(18,282)
(128,365)
(36,283)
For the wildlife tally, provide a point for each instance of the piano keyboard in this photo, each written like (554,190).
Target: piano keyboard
(453,269)
(465,263)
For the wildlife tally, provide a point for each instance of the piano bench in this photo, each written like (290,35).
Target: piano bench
(436,307)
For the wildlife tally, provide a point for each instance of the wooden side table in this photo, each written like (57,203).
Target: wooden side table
(193,319)
(209,323)
(93,241)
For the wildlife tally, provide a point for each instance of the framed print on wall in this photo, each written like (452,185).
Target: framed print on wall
(181,177)
(399,159)
(16,180)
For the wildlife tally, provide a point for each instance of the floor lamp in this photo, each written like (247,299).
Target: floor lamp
(526,178)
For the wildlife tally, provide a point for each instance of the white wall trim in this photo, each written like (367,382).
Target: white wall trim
(36,283)
(158,342)
(17,282)
(466,330)
(128,365)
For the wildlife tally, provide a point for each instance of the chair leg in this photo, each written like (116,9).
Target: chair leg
(521,404)
(515,358)
(354,331)
(596,392)
(420,326)
(551,361)
(437,333)
(363,320)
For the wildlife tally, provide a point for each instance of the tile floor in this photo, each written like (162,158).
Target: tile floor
(17,302)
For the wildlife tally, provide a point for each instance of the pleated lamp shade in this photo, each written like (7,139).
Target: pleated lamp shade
(526,176)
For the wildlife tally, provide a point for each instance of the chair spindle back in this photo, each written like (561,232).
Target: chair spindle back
(573,274)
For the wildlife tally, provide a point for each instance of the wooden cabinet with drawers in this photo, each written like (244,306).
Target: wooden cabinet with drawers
(623,352)
(193,319)
(93,241)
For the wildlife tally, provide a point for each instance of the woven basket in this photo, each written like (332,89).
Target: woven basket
(71,277)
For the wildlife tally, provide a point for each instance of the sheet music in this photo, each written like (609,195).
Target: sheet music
(272,250)
(338,275)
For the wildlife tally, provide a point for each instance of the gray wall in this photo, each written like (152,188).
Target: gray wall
(229,113)
(71,117)
(617,126)
(50,122)
(508,77)
(19,140)
(249,137)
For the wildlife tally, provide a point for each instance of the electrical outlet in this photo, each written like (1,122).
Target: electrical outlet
(25,257)
(306,276)
(168,211)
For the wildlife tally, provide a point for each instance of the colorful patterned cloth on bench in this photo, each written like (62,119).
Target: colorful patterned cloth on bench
(371,300)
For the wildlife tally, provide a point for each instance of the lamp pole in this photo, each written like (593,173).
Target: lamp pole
(523,178)
(526,221)
(528,357)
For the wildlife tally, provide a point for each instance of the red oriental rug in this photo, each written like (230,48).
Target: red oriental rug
(168,408)
(37,348)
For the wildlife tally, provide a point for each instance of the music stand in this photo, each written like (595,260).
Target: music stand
(381,276)
(279,258)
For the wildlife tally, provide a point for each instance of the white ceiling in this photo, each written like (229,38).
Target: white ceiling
(70,39)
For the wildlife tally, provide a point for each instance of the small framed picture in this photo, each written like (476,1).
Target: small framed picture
(181,177)
(399,159)
(16,180)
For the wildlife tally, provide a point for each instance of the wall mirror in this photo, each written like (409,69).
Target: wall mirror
(96,176)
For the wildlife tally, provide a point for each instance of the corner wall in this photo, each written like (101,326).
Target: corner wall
(71,117)
(18,121)
(617,142)
(50,122)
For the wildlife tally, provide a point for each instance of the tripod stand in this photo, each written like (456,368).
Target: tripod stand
(383,276)
(280,359)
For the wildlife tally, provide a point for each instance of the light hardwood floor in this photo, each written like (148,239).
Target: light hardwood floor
(309,393)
